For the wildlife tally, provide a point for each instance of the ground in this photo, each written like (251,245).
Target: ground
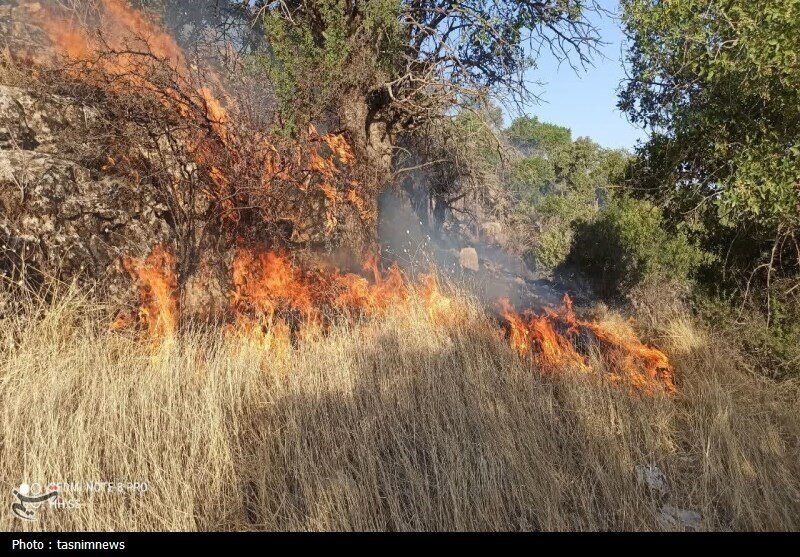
(397,422)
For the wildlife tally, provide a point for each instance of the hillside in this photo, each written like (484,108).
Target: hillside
(269,267)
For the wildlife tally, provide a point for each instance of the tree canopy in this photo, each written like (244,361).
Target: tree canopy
(718,83)
(413,58)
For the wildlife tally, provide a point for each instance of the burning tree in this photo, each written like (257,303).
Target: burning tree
(170,126)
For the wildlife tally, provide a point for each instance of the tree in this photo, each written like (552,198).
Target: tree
(556,183)
(529,134)
(385,67)
(718,83)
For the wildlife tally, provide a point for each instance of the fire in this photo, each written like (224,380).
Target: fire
(355,293)
(265,283)
(437,305)
(157,286)
(272,299)
(554,337)
(125,52)
(271,295)
(120,28)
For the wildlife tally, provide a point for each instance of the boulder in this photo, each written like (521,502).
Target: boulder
(60,216)
(468,259)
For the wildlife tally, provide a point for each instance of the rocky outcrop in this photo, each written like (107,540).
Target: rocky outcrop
(81,187)
(60,214)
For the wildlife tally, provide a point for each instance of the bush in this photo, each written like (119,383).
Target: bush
(555,214)
(770,341)
(626,244)
(529,179)
(552,247)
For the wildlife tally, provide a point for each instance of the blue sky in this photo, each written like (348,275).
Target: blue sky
(586,101)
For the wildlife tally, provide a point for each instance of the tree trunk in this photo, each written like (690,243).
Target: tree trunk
(372,140)
(361,116)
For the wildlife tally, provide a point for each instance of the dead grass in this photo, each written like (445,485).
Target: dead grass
(391,424)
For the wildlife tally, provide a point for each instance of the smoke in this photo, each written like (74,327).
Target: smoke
(410,236)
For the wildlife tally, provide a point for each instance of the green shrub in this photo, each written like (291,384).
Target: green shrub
(551,249)
(626,244)
(770,342)
(555,214)
(529,179)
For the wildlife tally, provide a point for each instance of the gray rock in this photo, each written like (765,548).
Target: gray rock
(58,216)
(468,259)
(673,518)
(651,476)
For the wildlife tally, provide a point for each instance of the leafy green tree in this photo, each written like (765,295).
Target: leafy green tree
(718,83)
(557,183)
(385,67)
(530,178)
(528,133)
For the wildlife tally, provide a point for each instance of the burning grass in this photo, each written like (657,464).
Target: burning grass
(555,338)
(273,298)
(394,423)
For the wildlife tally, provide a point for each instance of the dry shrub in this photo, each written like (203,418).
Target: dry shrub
(396,423)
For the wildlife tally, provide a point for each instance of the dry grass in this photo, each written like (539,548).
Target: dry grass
(397,424)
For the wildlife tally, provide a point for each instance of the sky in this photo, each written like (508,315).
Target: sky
(586,101)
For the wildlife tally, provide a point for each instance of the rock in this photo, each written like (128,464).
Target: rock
(492,233)
(468,259)
(674,518)
(59,215)
(652,476)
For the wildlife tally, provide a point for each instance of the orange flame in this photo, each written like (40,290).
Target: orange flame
(121,28)
(128,51)
(157,286)
(552,339)
(127,46)
(269,288)
(265,282)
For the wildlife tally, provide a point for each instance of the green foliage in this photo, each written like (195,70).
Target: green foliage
(626,244)
(552,247)
(529,133)
(558,183)
(773,345)
(411,61)
(476,127)
(529,177)
(318,57)
(719,85)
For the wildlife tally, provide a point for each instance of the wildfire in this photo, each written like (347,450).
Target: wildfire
(266,284)
(272,299)
(125,52)
(269,292)
(557,339)
(157,286)
(120,28)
